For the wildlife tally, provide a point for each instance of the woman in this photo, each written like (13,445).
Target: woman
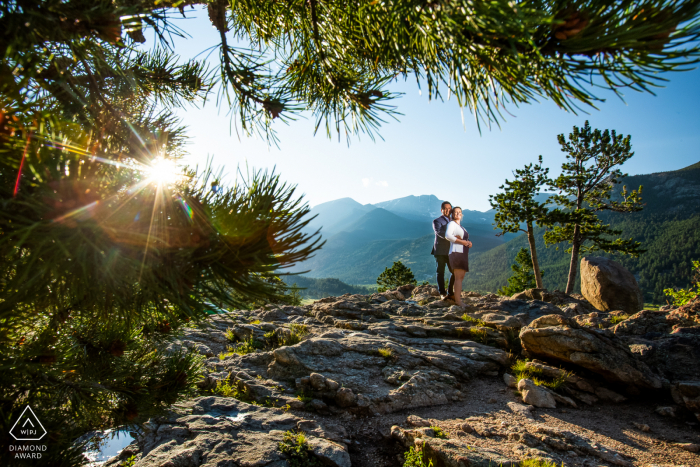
(459,251)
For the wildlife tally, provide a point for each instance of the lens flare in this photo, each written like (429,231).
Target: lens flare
(163,172)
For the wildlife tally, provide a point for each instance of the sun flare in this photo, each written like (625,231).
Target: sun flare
(163,172)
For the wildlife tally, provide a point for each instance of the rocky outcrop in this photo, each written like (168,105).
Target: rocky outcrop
(526,440)
(557,338)
(607,285)
(356,356)
(216,431)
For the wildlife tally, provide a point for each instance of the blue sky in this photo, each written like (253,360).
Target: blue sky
(429,151)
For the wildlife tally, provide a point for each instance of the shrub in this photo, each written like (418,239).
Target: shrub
(682,296)
(439,432)
(385,352)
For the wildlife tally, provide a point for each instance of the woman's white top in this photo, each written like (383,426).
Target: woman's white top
(453,231)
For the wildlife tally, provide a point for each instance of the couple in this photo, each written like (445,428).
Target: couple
(451,248)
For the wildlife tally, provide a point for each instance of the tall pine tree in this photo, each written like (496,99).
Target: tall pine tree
(585,188)
(518,205)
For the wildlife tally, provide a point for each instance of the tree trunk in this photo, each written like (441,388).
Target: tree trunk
(573,267)
(533,254)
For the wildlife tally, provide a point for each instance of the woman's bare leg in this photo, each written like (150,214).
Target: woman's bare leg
(459,277)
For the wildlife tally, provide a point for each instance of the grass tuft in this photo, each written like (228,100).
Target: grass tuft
(297,450)
(521,371)
(479,335)
(300,329)
(538,463)
(472,320)
(618,319)
(246,347)
(225,389)
(439,432)
(385,352)
(230,335)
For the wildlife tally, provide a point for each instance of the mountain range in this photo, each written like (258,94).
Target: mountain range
(362,240)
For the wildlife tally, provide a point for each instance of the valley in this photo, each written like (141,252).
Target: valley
(362,240)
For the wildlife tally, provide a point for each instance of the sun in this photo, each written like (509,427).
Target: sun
(163,171)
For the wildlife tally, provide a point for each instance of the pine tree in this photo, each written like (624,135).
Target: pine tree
(523,277)
(585,188)
(517,205)
(394,277)
(107,248)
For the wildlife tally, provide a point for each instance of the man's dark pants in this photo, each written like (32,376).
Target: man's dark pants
(442,261)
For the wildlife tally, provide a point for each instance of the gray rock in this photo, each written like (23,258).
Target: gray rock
(666,411)
(558,338)
(215,431)
(317,381)
(345,397)
(608,395)
(687,393)
(510,380)
(415,420)
(536,395)
(520,409)
(330,453)
(318,405)
(607,285)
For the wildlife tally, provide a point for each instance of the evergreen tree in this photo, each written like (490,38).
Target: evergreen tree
(394,277)
(523,277)
(585,189)
(517,206)
(335,59)
(107,248)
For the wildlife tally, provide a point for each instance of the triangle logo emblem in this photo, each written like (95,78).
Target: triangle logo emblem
(28,427)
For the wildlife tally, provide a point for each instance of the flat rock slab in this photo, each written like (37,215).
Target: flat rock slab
(218,431)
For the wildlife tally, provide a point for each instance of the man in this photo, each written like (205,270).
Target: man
(441,251)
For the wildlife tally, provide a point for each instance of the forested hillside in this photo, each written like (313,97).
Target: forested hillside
(366,239)
(320,288)
(667,227)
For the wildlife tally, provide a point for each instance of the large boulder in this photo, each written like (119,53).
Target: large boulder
(607,285)
(557,338)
